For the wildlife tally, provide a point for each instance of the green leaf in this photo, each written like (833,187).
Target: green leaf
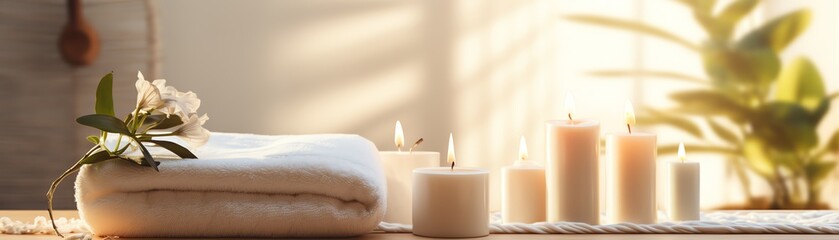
(634,26)
(756,157)
(833,143)
(778,33)
(708,103)
(93,139)
(732,14)
(753,68)
(104,95)
(657,117)
(104,122)
(702,11)
(163,122)
(182,152)
(819,170)
(97,157)
(785,127)
(648,73)
(800,82)
(147,158)
(722,132)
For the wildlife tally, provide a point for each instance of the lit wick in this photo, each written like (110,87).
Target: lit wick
(570,106)
(411,150)
(630,116)
(450,155)
(398,136)
(682,152)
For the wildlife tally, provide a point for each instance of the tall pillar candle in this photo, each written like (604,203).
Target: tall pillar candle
(631,173)
(398,167)
(451,202)
(684,188)
(572,169)
(523,190)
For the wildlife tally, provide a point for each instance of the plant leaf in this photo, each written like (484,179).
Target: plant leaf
(817,171)
(104,122)
(785,126)
(179,150)
(164,122)
(732,14)
(707,102)
(722,132)
(756,157)
(833,142)
(97,157)
(104,95)
(648,73)
(800,82)
(657,117)
(634,26)
(778,33)
(147,158)
(93,139)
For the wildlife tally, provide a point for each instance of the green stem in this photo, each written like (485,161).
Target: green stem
(57,181)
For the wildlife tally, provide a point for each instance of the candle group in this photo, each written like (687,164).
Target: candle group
(453,201)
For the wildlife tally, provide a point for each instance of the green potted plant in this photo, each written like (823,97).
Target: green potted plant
(765,111)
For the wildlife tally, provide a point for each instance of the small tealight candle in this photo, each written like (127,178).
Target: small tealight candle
(523,190)
(398,167)
(631,173)
(451,202)
(684,188)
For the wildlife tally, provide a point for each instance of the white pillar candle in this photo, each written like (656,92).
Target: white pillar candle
(684,189)
(399,166)
(451,202)
(523,190)
(631,173)
(573,169)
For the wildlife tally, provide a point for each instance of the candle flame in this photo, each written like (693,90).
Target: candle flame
(630,114)
(570,106)
(522,149)
(450,156)
(682,152)
(398,136)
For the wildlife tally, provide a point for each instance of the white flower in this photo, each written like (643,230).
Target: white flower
(181,104)
(193,131)
(148,96)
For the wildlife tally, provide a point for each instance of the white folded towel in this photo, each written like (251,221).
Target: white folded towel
(241,186)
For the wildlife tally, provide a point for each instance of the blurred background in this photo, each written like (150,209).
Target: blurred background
(747,85)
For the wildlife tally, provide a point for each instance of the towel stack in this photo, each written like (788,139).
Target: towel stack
(241,186)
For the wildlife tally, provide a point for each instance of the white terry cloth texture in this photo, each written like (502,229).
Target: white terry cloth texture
(242,185)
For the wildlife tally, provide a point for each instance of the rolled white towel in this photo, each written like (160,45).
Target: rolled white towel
(241,186)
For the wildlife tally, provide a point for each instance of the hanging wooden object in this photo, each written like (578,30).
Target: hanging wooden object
(79,43)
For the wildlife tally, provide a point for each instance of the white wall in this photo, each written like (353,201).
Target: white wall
(489,71)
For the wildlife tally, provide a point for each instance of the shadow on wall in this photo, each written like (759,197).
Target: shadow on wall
(479,69)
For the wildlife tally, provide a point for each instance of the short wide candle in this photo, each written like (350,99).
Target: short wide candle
(451,203)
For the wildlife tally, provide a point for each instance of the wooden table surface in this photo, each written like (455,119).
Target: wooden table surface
(28,216)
